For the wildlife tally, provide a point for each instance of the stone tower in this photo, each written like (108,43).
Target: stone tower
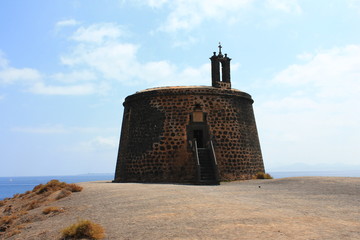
(193,134)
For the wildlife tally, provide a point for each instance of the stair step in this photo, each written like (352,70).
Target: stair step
(207,172)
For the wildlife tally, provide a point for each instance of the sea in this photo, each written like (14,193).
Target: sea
(13,185)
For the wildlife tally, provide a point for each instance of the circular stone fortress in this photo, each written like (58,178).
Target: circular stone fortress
(195,134)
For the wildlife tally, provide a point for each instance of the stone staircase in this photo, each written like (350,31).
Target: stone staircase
(207,172)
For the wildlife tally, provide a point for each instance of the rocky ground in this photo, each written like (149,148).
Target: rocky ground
(288,208)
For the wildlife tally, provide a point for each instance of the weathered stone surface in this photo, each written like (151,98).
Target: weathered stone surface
(155,141)
(160,125)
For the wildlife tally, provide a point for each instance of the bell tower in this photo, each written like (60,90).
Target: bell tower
(220,70)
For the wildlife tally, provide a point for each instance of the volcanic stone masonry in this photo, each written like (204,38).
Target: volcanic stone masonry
(194,134)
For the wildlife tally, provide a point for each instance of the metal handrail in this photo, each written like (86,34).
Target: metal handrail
(196,153)
(213,156)
(198,171)
(213,151)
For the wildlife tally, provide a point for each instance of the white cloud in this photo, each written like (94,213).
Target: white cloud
(35,82)
(67,22)
(99,141)
(113,60)
(82,89)
(3,61)
(305,56)
(319,120)
(355,4)
(98,47)
(98,33)
(60,129)
(288,6)
(187,76)
(161,69)
(189,14)
(118,61)
(155,3)
(335,72)
(2,97)
(290,103)
(75,76)
(190,40)
(96,144)
(11,75)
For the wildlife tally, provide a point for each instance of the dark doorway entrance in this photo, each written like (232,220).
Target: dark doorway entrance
(199,136)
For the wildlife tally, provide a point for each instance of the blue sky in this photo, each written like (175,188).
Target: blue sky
(66,67)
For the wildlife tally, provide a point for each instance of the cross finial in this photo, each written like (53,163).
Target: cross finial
(220,48)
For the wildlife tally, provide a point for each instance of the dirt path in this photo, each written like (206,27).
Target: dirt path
(288,208)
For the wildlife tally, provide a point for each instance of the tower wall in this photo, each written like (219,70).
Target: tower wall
(156,137)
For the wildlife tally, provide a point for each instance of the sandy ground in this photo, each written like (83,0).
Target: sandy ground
(288,208)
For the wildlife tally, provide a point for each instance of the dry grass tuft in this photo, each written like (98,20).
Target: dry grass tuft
(22,213)
(55,185)
(5,220)
(74,188)
(51,186)
(262,175)
(13,210)
(63,193)
(13,232)
(83,229)
(33,204)
(52,210)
